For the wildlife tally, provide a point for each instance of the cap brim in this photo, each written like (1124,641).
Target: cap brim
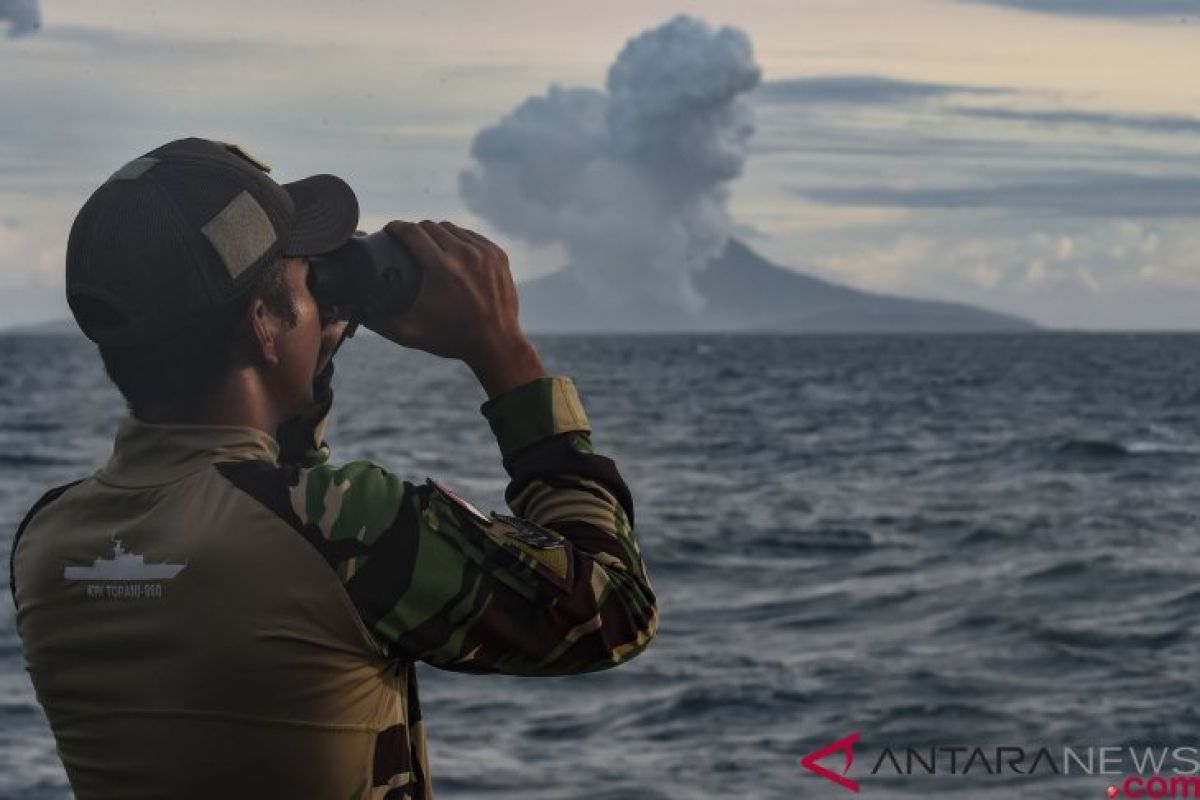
(326,215)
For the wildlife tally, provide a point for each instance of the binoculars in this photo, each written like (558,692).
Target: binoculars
(368,275)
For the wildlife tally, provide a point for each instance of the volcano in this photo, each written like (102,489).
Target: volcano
(745,292)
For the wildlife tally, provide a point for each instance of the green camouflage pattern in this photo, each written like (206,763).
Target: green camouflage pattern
(558,588)
(437,582)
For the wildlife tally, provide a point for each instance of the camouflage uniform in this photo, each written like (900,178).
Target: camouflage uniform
(278,660)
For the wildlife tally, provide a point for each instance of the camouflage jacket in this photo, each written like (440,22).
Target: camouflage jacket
(220,612)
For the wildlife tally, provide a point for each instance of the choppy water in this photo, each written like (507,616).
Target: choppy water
(931,540)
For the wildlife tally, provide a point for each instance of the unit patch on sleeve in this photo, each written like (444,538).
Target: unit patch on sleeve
(531,533)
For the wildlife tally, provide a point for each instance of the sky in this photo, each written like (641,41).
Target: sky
(1038,157)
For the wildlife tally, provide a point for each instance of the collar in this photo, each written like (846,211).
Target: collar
(151,454)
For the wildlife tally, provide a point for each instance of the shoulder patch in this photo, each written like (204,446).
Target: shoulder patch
(540,549)
(531,533)
(455,500)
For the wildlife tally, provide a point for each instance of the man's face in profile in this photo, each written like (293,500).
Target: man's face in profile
(305,349)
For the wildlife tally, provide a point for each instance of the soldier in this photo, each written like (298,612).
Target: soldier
(221,611)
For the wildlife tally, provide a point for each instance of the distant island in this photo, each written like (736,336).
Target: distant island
(743,292)
(51,326)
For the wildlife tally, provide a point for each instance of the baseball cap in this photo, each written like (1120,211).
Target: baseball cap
(175,237)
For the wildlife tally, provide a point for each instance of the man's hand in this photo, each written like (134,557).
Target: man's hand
(467,307)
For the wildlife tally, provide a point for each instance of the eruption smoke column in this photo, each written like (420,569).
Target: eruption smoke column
(632,182)
(23,16)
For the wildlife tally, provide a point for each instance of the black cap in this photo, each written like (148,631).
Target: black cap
(175,237)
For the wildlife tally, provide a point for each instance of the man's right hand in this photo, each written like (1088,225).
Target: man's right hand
(466,308)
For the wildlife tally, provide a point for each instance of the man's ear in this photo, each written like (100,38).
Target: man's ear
(264,331)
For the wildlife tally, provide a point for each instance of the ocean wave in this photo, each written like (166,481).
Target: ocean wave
(1107,448)
(33,460)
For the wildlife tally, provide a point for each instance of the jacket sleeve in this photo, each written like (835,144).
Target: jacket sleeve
(557,587)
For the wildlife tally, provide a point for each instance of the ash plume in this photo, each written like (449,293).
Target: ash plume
(22,16)
(632,181)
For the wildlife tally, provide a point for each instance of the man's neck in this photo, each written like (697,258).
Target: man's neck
(237,403)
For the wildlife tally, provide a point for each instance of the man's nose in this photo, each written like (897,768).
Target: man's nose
(332,335)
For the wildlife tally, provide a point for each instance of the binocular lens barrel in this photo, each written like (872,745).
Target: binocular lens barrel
(368,275)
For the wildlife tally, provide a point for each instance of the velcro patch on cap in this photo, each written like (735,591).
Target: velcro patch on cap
(237,150)
(134,169)
(241,233)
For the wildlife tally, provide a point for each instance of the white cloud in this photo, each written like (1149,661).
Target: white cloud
(894,265)
(1066,246)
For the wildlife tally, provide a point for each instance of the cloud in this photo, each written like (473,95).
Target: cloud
(1086,273)
(74,41)
(859,89)
(1161,123)
(22,16)
(1084,195)
(1024,202)
(980,128)
(1102,8)
(631,181)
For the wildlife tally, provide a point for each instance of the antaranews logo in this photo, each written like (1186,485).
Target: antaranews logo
(841,745)
(1156,771)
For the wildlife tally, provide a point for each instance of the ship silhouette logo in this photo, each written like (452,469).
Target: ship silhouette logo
(123,566)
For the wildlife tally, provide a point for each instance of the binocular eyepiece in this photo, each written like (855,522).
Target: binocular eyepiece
(368,275)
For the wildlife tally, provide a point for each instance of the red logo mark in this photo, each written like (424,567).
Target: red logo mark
(809,762)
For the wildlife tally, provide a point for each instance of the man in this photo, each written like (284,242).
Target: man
(220,611)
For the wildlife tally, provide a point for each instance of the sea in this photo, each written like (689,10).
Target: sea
(872,545)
